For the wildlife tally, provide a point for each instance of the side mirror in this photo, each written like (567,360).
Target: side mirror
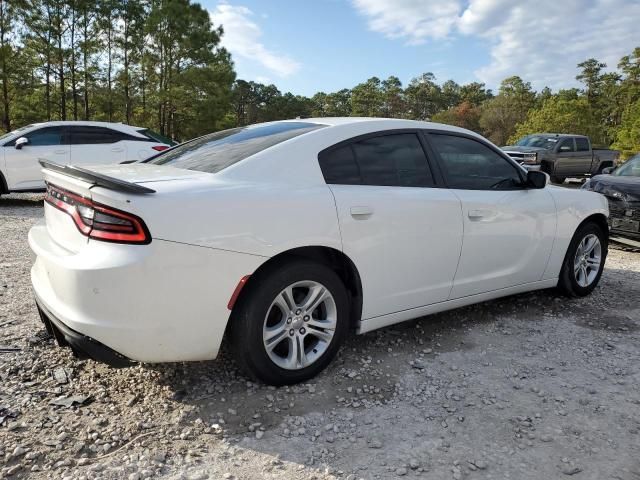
(608,170)
(21,142)
(537,179)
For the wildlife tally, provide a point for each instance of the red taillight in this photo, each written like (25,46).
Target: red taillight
(160,148)
(96,220)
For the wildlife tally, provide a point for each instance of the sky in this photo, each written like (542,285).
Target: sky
(306,46)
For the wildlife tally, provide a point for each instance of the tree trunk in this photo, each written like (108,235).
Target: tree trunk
(85,62)
(127,100)
(109,70)
(74,87)
(63,99)
(6,114)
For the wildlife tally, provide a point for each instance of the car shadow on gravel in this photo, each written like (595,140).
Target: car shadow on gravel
(367,370)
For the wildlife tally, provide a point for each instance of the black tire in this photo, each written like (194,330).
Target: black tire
(568,282)
(249,316)
(558,180)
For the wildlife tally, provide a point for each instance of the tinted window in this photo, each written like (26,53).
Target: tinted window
(471,165)
(582,145)
(387,160)
(94,135)
(156,137)
(45,136)
(339,167)
(215,152)
(566,146)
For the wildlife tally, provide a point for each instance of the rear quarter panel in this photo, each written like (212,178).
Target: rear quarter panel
(573,207)
(261,219)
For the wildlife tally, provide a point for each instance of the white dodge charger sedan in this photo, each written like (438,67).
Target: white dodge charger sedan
(284,236)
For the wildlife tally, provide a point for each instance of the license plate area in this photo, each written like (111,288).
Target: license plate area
(625,224)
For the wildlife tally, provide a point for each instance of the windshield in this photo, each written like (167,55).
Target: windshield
(14,132)
(631,168)
(216,151)
(538,141)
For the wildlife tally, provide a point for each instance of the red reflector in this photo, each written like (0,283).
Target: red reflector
(236,292)
(160,148)
(98,221)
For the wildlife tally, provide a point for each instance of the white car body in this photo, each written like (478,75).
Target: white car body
(416,250)
(19,167)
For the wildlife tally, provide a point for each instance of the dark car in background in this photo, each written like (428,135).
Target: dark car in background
(621,186)
(561,155)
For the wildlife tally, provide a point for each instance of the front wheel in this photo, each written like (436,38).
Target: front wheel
(558,180)
(584,261)
(290,323)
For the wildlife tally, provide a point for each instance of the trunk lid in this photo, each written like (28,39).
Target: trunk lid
(132,188)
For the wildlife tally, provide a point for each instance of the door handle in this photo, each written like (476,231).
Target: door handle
(59,152)
(361,212)
(478,214)
(117,149)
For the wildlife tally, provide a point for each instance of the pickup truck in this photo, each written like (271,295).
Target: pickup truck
(561,155)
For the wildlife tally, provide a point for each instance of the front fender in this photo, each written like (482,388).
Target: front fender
(573,207)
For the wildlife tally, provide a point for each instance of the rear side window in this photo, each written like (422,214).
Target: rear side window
(94,135)
(582,145)
(387,160)
(217,151)
(566,146)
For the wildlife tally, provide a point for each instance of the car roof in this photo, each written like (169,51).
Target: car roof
(380,123)
(85,123)
(551,135)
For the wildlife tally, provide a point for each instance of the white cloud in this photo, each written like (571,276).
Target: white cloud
(242,38)
(540,40)
(414,20)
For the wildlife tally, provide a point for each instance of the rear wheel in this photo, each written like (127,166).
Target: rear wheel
(584,261)
(291,322)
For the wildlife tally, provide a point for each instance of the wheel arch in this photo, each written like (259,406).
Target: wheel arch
(333,258)
(599,219)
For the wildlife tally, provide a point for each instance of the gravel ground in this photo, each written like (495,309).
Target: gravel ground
(531,386)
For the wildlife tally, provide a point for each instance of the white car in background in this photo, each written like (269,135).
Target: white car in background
(72,142)
(288,234)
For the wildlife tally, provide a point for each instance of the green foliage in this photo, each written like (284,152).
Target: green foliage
(465,115)
(501,114)
(559,115)
(159,64)
(628,134)
(153,63)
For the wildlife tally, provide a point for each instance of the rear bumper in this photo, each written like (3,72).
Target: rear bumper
(83,346)
(162,302)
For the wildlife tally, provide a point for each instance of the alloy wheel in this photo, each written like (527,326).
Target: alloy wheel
(299,325)
(586,263)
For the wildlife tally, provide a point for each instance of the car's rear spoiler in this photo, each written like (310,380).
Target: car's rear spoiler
(95,178)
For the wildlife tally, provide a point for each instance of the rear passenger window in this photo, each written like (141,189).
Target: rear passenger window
(387,160)
(93,135)
(582,145)
(566,146)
